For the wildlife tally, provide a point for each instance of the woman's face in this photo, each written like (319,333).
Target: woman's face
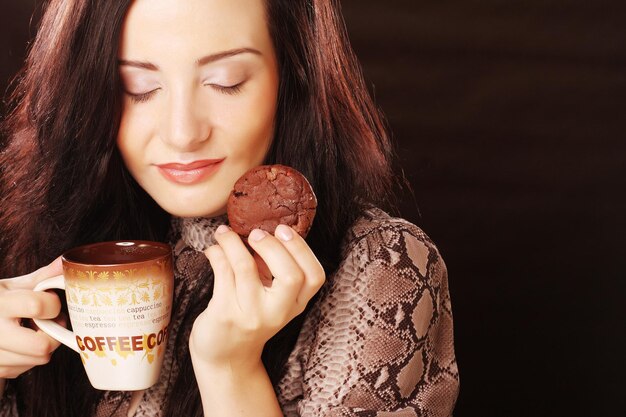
(200,79)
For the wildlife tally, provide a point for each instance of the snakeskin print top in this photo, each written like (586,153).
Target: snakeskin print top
(378,343)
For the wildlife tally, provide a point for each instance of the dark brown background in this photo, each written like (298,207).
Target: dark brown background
(509,118)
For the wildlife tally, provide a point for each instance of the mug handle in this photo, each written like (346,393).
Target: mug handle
(49,327)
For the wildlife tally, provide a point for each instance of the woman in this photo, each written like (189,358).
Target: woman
(133,120)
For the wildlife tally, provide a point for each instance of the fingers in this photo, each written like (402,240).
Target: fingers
(288,276)
(11,372)
(298,275)
(314,273)
(223,276)
(29,304)
(13,364)
(264,272)
(29,281)
(24,341)
(292,262)
(19,360)
(246,275)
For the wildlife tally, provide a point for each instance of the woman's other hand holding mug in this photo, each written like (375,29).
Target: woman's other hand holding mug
(22,348)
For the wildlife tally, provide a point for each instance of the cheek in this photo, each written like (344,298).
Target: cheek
(132,135)
(126,146)
(255,120)
(123,142)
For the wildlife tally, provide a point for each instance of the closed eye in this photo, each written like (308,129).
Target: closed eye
(231,89)
(142,97)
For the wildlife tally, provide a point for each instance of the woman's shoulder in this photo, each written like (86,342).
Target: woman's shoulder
(379,235)
(383,255)
(375,220)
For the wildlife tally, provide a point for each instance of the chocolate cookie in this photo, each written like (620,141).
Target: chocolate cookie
(269,195)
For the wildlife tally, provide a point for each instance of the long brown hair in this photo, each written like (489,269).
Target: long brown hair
(63,182)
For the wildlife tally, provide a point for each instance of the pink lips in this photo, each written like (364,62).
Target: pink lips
(191,173)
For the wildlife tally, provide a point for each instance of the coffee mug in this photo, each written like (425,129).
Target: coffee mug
(119,297)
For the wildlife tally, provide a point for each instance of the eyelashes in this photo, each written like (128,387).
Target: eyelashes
(228,90)
(143,97)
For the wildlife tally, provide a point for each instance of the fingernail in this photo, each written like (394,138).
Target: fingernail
(283,232)
(222,229)
(257,234)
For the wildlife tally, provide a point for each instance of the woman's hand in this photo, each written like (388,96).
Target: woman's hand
(248,307)
(22,348)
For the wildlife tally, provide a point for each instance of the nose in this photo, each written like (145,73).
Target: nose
(184,126)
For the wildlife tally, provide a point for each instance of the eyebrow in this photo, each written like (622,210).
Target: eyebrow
(200,62)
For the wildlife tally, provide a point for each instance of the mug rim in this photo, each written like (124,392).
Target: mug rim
(166,254)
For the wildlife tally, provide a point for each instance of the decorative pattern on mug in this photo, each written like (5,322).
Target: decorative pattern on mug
(132,286)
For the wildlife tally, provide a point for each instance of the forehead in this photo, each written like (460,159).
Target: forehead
(196,27)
